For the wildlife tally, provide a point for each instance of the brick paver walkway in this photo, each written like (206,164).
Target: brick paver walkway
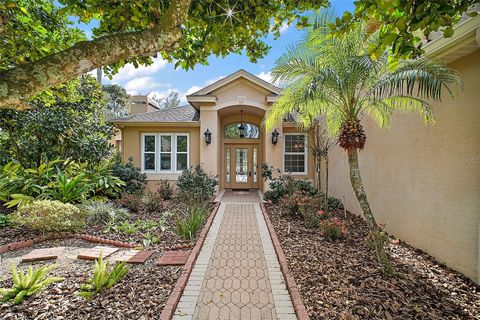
(237,275)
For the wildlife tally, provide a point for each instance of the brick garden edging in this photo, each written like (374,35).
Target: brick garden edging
(298,305)
(61,235)
(174,298)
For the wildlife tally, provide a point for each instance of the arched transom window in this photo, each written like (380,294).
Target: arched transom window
(242,131)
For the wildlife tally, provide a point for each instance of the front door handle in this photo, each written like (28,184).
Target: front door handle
(249,173)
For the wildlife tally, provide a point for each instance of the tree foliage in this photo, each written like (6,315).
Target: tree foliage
(73,127)
(118,101)
(402,22)
(170,101)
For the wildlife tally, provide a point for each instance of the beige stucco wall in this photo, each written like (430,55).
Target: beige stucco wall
(424,181)
(132,136)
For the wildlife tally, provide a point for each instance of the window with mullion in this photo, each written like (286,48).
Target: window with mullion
(294,153)
(181,152)
(166,151)
(149,152)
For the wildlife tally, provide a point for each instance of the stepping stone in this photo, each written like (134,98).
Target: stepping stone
(173,258)
(95,252)
(134,256)
(43,254)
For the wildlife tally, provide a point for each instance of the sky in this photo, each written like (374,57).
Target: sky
(161,78)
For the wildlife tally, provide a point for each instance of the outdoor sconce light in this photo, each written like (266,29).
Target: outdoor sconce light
(275,135)
(208,136)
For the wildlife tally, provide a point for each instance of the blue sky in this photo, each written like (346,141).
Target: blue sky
(161,78)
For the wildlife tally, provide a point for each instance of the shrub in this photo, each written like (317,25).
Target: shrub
(333,229)
(103,212)
(313,219)
(102,278)
(48,215)
(195,186)
(27,284)
(152,202)
(333,203)
(55,180)
(165,190)
(135,180)
(283,185)
(188,226)
(132,202)
(299,204)
(150,239)
(3,220)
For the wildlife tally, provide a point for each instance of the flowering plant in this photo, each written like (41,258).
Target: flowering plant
(296,204)
(333,229)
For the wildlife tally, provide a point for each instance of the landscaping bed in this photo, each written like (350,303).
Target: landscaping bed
(343,280)
(143,291)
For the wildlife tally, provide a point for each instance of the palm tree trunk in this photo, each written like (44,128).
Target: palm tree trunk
(377,237)
(326,184)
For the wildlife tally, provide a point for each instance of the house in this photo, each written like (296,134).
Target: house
(221,129)
(422,181)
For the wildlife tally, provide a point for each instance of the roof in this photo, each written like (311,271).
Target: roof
(180,114)
(234,76)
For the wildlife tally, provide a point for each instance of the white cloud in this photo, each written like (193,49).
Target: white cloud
(192,90)
(129,72)
(267,76)
(143,85)
(284,27)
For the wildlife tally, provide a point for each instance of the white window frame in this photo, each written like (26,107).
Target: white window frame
(158,152)
(304,153)
(154,152)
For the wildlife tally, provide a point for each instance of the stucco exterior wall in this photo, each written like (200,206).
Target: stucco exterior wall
(424,181)
(132,136)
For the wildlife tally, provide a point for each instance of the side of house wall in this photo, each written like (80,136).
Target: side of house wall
(424,181)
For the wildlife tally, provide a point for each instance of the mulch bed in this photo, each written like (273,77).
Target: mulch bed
(141,294)
(343,280)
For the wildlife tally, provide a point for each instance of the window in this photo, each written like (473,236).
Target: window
(294,160)
(165,152)
(242,131)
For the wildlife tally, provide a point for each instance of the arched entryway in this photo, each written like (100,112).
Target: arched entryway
(242,148)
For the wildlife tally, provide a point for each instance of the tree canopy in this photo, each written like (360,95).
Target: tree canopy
(172,100)
(71,128)
(118,101)
(41,49)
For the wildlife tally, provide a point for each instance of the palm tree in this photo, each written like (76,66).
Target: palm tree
(337,78)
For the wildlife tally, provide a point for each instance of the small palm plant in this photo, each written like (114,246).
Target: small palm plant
(102,278)
(337,78)
(29,283)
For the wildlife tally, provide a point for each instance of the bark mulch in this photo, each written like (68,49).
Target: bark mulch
(343,280)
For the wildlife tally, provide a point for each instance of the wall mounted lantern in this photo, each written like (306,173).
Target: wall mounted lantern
(208,136)
(275,135)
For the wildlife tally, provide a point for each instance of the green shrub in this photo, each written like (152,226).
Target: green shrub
(3,220)
(152,202)
(135,180)
(48,215)
(333,229)
(55,180)
(27,284)
(195,186)
(132,202)
(102,278)
(103,212)
(165,190)
(150,239)
(313,219)
(187,227)
(283,185)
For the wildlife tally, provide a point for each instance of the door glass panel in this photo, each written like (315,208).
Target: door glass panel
(227,164)
(254,164)
(241,165)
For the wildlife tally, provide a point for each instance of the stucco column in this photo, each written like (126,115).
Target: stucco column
(273,153)
(209,154)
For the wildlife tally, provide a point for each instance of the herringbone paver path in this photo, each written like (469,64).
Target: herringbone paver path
(237,275)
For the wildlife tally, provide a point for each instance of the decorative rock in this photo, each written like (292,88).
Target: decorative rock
(43,254)
(94,253)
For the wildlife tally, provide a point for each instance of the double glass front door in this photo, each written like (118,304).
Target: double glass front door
(241,166)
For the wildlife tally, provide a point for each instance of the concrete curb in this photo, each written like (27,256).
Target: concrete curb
(176,294)
(298,305)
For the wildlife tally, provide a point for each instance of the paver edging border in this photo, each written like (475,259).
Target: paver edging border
(297,301)
(21,244)
(176,294)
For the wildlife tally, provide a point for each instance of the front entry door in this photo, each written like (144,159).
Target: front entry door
(241,164)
